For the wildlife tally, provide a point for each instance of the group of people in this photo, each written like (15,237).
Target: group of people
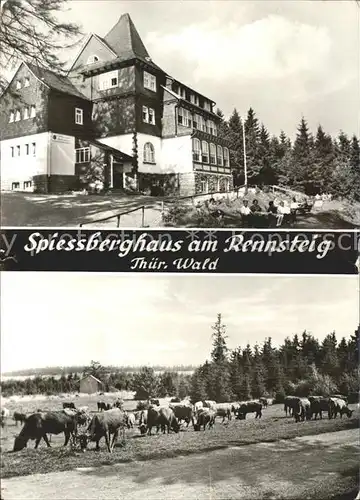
(277,212)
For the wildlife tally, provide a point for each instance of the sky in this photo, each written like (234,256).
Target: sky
(285,59)
(64,319)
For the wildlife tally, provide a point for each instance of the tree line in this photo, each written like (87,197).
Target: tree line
(301,366)
(312,163)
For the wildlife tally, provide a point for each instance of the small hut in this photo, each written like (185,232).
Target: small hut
(91,385)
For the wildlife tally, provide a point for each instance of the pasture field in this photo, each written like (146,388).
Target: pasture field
(273,427)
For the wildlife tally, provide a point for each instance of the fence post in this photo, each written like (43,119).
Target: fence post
(143,216)
(118,220)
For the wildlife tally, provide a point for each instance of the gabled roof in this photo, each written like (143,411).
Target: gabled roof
(54,81)
(91,376)
(84,45)
(113,151)
(124,39)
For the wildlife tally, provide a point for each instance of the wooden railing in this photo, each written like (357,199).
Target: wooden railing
(118,217)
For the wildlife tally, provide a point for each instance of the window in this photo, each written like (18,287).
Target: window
(92,59)
(220,155)
(211,127)
(149,153)
(27,149)
(82,155)
(194,99)
(108,80)
(27,82)
(12,116)
(27,184)
(184,117)
(26,113)
(18,84)
(196,149)
(149,81)
(212,154)
(12,151)
(15,185)
(148,115)
(33,145)
(205,152)
(78,116)
(203,186)
(202,124)
(207,106)
(196,121)
(226,158)
(32,111)
(18,150)
(17,115)
(182,92)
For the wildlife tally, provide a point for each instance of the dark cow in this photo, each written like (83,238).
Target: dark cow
(289,403)
(182,412)
(38,425)
(69,405)
(162,417)
(223,410)
(205,417)
(302,409)
(337,405)
(175,400)
(19,417)
(155,402)
(318,404)
(105,424)
(264,402)
(103,406)
(249,407)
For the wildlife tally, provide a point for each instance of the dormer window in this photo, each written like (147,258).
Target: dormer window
(207,105)
(12,116)
(27,82)
(108,80)
(26,113)
(194,99)
(18,84)
(92,59)
(32,111)
(17,115)
(149,81)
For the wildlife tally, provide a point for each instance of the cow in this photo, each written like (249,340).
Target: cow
(204,417)
(264,402)
(175,400)
(155,402)
(38,425)
(163,417)
(69,405)
(318,404)
(130,420)
(198,405)
(249,407)
(103,406)
(234,407)
(289,403)
(143,421)
(119,403)
(337,405)
(19,417)
(182,412)
(209,404)
(104,424)
(223,410)
(302,409)
(339,396)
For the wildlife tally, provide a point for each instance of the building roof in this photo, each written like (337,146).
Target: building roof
(91,376)
(116,152)
(124,39)
(54,81)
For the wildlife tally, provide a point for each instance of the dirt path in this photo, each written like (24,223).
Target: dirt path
(320,466)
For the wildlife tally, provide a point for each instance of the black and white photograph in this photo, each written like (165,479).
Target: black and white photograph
(180,114)
(123,386)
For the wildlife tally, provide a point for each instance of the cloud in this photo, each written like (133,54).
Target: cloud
(273,47)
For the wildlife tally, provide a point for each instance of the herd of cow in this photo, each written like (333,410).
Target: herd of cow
(82,426)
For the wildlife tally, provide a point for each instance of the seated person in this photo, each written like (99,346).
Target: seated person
(272,212)
(255,207)
(283,211)
(245,212)
(294,207)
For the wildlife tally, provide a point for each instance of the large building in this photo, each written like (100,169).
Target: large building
(116,117)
